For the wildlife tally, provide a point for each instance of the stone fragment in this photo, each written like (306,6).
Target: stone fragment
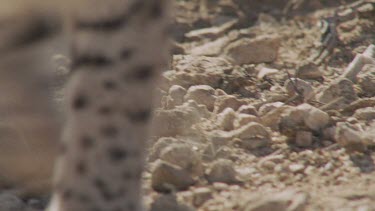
(366,114)
(296,168)
(177,121)
(288,200)
(228,101)
(222,171)
(253,51)
(169,202)
(210,33)
(253,135)
(338,94)
(266,72)
(299,87)
(183,156)
(226,119)
(358,62)
(202,94)
(159,145)
(304,138)
(272,118)
(309,71)
(303,118)
(244,119)
(177,93)
(366,80)
(248,109)
(167,177)
(201,195)
(349,138)
(197,70)
(264,109)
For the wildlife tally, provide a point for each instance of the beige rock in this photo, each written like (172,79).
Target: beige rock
(226,119)
(201,195)
(202,94)
(222,171)
(297,87)
(169,202)
(309,71)
(167,177)
(264,109)
(197,70)
(253,135)
(338,94)
(366,114)
(248,109)
(252,51)
(272,118)
(228,101)
(304,138)
(211,33)
(177,93)
(356,66)
(177,121)
(183,156)
(264,71)
(366,80)
(244,119)
(349,138)
(288,200)
(159,145)
(315,119)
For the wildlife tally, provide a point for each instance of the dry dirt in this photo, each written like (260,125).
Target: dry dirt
(253,117)
(259,120)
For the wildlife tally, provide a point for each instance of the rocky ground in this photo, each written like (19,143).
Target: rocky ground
(266,106)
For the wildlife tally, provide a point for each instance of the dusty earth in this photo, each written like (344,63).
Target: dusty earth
(268,105)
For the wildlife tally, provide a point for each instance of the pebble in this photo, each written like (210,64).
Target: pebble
(222,170)
(202,94)
(183,156)
(201,195)
(169,202)
(167,177)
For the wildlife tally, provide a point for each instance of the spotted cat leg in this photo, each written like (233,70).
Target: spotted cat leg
(118,50)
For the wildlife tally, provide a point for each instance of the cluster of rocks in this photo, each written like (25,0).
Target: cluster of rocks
(223,126)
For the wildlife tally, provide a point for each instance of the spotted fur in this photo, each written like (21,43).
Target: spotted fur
(117,49)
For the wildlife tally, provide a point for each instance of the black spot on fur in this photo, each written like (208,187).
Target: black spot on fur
(62,148)
(143,72)
(103,189)
(126,53)
(136,7)
(127,175)
(80,102)
(109,131)
(32,30)
(140,116)
(81,168)
(110,24)
(117,154)
(84,198)
(67,194)
(105,110)
(91,60)
(109,84)
(96,209)
(87,142)
(131,206)
(156,10)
